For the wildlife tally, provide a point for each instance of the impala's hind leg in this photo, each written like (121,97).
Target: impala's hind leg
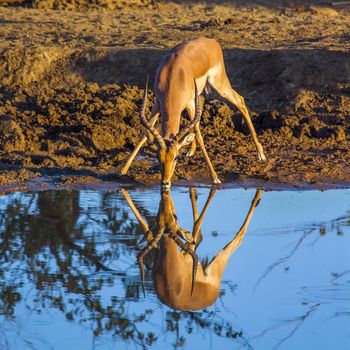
(222,85)
(199,138)
(154,117)
(238,101)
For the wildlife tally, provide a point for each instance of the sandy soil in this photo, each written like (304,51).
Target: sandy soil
(71,78)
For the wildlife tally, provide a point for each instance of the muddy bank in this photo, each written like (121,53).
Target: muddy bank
(90,130)
(70,94)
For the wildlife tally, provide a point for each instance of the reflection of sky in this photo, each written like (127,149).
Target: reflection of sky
(283,235)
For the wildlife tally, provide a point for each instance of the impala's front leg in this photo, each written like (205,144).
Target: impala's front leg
(154,117)
(193,147)
(197,235)
(200,141)
(198,222)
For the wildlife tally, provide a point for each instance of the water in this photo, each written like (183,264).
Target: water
(69,277)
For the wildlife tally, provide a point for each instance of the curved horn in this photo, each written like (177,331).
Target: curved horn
(146,123)
(196,118)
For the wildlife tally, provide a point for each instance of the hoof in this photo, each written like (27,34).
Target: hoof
(165,187)
(217,182)
(262,157)
(189,154)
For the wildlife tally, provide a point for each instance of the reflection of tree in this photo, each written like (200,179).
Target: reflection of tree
(319,229)
(48,246)
(203,321)
(295,323)
(50,239)
(320,295)
(69,254)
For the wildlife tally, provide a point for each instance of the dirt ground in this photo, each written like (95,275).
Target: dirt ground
(72,72)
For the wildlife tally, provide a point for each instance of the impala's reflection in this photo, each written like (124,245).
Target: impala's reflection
(180,280)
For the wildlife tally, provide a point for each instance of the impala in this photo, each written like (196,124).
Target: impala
(187,68)
(181,281)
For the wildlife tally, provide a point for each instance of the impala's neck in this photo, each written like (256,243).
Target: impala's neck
(171,88)
(170,121)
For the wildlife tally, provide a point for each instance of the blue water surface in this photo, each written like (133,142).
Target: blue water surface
(69,277)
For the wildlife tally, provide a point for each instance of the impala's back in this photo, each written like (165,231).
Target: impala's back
(174,83)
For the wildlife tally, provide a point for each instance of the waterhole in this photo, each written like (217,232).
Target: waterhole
(70,274)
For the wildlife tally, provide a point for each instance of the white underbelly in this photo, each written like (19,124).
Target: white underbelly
(209,77)
(201,82)
(212,75)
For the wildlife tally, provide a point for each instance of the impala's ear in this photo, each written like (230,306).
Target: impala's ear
(186,140)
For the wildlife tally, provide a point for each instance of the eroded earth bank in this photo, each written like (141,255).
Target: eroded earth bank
(71,79)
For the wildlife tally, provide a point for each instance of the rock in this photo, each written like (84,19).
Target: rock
(324,11)
(93,88)
(286,132)
(270,120)
(304,101)
(302,130)
(102,138)
(339,133)
(11,135)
